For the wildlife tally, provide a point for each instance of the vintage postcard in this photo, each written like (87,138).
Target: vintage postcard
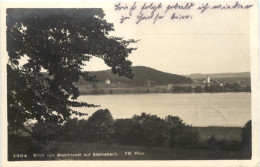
(133,83)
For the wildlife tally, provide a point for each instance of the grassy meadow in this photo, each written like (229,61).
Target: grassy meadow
(140,152)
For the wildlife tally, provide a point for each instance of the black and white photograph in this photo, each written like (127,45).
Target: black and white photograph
(132,81)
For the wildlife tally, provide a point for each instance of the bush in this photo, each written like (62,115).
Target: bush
(189,138)
(229,145)
(214,144)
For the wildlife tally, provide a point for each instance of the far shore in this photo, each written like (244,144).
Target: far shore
(143,90)
(120,88)
(84,93)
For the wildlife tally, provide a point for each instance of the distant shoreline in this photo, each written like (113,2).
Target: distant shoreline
(157,93)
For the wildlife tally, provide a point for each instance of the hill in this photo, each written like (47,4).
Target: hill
(220,75)
(243,78)
(143,75)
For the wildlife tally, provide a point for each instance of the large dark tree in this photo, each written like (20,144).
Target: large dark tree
(246,143)
(59,41)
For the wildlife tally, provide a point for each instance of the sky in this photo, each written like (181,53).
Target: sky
(212,42)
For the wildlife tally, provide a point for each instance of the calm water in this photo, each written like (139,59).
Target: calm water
(217,109)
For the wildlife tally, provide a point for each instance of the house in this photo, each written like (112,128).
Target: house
(221,84)
(169,86)
(149,83)
(107,81)
(207,80)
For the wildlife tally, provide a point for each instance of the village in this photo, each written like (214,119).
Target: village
(202,85)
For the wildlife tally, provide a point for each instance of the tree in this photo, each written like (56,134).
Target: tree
(248,88)
(144,130)
(177,127)
(206,88)
(247,133)
(236,87)
(212,143)
(178,89)
(147,91)
(101,126)
(71,130)
(188,89)
(110,91)
(42,133)
(60,42)
(198,89)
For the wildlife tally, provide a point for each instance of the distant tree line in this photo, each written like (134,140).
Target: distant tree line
(235,87)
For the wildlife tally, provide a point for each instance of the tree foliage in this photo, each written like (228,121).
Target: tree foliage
(60,42)
(246,143)
(247,135)
(151,130)
(101,126)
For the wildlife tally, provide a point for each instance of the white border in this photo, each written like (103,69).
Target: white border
(254,85)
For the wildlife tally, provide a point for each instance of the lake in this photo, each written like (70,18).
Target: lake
(196,109)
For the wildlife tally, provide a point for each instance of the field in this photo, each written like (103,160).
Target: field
(100,151)
(227,133)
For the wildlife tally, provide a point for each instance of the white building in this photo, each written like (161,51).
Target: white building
(169,86)
(208,79)
(107,81)
(148,83)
